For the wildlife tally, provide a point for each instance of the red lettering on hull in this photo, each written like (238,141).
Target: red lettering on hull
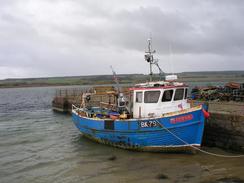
(181,119)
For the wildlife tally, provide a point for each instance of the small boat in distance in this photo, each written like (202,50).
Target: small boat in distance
(155,116)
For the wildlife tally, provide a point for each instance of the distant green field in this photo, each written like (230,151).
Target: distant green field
(222,76)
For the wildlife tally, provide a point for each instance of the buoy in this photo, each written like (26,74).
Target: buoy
(113,117)
(205,113)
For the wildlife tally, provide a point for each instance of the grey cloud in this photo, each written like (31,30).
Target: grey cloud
(128,30)
(72,37)
(221,36)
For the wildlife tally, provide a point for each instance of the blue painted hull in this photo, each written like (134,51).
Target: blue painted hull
(154,134)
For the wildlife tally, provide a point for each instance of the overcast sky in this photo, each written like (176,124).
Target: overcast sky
(40,38)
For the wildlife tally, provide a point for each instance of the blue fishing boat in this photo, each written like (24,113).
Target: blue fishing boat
(155,117)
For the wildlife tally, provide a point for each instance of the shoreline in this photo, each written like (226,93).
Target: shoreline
(195,80)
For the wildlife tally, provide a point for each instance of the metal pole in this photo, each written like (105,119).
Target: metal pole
(150,58)
(151,72)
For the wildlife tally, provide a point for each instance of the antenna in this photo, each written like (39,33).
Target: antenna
(170,59)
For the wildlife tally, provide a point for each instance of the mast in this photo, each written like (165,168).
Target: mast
(121,99)
(149,57)
(116,79)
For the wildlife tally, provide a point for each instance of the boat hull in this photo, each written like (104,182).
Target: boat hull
(178,131)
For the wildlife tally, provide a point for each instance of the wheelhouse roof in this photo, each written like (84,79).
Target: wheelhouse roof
(158,85)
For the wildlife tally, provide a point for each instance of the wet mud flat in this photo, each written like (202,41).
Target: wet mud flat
(129,166)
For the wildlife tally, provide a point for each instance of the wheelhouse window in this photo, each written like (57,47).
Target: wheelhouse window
(179,94)
(151,96)
(167,96)
(186,90)
(139,97)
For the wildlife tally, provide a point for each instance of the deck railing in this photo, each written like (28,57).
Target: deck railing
(71,92)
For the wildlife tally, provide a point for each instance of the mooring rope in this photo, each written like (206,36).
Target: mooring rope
(206,152)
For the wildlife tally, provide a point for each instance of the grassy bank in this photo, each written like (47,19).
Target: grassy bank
(222,76)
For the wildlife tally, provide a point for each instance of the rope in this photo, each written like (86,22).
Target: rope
(209,153)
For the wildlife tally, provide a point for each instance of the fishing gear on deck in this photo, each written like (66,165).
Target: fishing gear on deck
(121,99)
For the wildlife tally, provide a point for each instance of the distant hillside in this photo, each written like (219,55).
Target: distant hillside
(212,73)
(227,76)
(224,76)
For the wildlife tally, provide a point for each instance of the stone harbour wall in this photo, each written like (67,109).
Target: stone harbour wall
(224,130)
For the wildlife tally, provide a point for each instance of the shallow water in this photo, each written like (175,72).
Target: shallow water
(38,145)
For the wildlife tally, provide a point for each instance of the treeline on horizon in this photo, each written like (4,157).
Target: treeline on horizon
(227,76)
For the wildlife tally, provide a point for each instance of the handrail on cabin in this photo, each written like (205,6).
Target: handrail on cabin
(74,107)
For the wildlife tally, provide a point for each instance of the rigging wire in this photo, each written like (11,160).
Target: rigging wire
(203,151)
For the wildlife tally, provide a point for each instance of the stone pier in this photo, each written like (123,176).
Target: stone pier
(225,127)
